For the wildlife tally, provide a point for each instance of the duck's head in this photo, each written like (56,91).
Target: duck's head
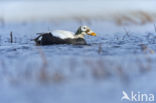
(85,30)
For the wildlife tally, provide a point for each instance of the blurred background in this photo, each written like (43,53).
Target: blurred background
(120,58)
(136,11)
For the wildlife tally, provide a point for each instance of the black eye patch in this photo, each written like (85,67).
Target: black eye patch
(87,31)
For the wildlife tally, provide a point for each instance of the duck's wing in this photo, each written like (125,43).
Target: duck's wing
(63,34)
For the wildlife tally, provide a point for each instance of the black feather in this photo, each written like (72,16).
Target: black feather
(49,39)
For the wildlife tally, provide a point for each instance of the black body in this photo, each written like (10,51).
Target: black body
(49,39)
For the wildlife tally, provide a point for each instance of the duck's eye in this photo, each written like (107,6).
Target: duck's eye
(83,28)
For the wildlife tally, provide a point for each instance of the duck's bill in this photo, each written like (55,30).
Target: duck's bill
(92,33)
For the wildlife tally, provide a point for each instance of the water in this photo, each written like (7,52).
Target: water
(115,60)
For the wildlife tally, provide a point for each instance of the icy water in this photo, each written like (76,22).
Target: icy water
(119,58)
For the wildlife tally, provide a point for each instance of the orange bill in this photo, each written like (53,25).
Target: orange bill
(92,33)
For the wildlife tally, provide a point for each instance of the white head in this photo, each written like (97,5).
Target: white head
(85,30)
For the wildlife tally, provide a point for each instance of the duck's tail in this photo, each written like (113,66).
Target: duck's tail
(37,39)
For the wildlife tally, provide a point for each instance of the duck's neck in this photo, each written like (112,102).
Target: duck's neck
(80,35)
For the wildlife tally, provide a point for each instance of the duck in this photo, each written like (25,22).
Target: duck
(64,37)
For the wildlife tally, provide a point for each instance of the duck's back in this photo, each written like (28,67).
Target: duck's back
(63,34)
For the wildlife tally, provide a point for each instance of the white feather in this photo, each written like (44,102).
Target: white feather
(63,34)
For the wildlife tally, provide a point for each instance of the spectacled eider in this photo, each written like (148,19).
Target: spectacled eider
(64,37)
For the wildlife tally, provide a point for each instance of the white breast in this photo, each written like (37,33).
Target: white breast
(63,34)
